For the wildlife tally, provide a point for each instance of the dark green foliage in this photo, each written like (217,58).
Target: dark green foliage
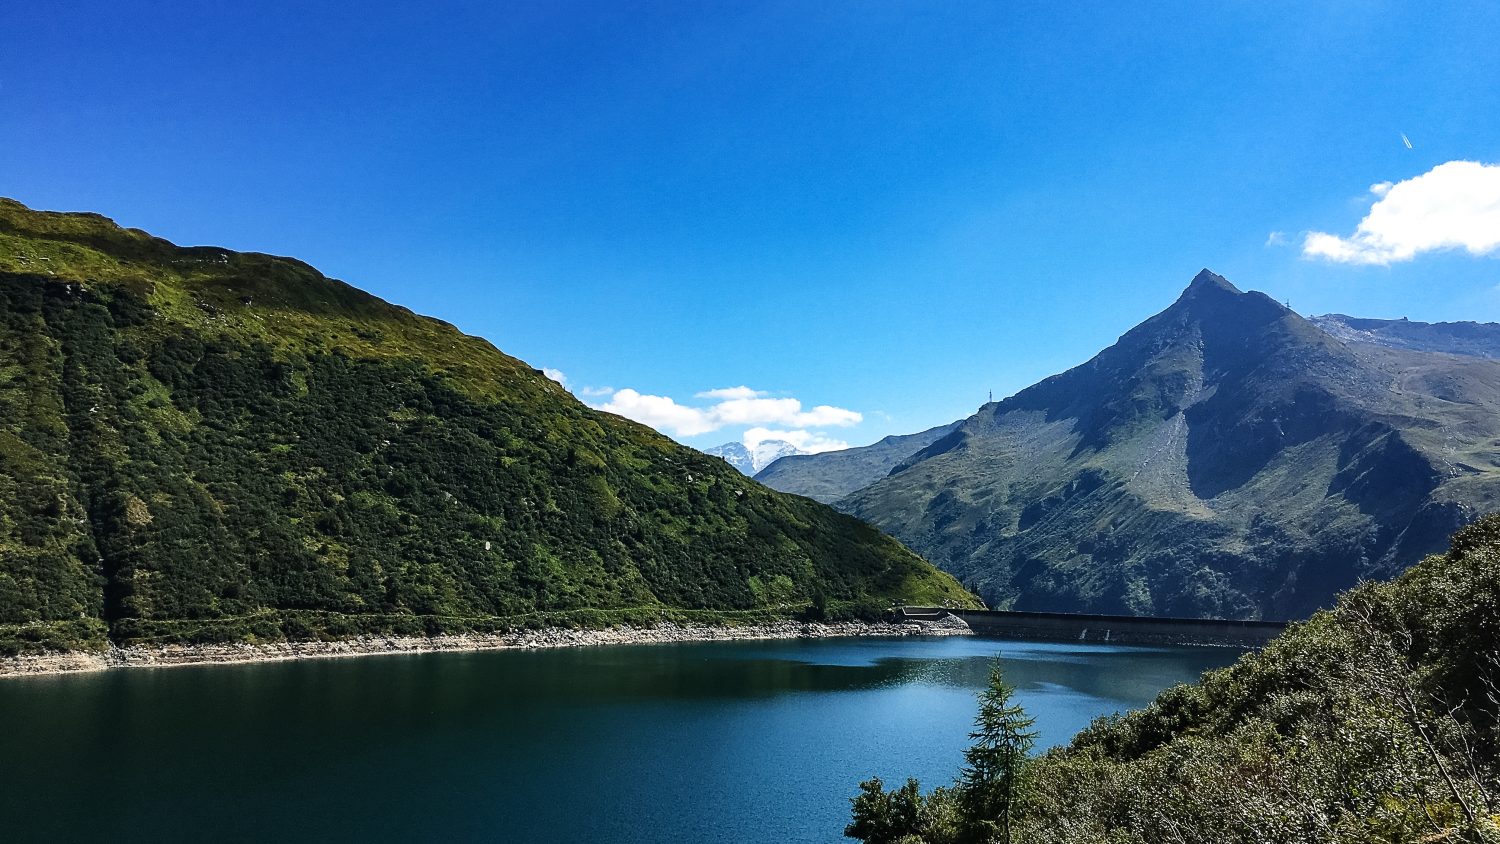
(1375,721)
(905,815)
(198,445)
(886,817)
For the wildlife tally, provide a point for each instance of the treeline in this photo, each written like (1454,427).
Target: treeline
(1373,723)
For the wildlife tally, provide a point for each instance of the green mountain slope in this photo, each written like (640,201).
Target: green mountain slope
(1375,722)
(831,475)
(1225,458)
(206,445)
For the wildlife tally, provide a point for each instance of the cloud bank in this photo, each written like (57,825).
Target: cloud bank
(733,407)
(1452,206)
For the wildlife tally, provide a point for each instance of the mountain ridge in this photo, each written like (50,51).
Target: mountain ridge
(831,475)
(1221,458)
(1469,339)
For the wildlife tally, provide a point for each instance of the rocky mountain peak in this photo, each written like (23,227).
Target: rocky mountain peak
(1212,302)
(1208,280)
(1225,438)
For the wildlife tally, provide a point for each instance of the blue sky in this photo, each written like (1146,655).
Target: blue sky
(869,208)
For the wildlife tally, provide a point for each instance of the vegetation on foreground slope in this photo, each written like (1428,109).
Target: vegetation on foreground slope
(1375,721)
(203,445)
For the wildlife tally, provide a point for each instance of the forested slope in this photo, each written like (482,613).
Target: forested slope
(203,445)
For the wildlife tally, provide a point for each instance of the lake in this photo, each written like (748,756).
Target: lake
(722,741)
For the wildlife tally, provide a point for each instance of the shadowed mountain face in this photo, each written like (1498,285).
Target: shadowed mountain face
(829,476)
(198,444)
(1225,458)
(1472,339)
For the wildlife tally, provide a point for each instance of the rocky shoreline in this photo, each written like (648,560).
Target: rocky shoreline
(147,656)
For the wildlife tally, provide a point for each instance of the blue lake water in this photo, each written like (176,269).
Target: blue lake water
(725,742)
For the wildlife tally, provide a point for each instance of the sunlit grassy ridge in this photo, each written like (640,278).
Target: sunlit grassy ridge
(294,309)
(200,444)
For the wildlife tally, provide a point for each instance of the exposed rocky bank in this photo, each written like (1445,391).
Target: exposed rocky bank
(137,656)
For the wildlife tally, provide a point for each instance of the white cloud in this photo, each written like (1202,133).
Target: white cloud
(734,406)
(811,442)
(596,392)
(1452,206)
(740,392)
(556,375)
(1276,239)
(660,412)
(783,412)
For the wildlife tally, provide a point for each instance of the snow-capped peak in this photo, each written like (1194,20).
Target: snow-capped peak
(751,461)
(767,452)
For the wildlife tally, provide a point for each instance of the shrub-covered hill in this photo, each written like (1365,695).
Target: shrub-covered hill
(1374,721)
(203,445)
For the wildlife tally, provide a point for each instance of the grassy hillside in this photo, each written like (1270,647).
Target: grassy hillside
(204,445)
(1374,722)
(1225,458)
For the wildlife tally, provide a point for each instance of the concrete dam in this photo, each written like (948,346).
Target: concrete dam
(1120,629)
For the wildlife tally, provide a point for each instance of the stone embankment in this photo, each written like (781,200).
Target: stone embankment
(136,656)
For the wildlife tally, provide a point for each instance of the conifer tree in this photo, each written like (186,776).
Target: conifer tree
(993,777)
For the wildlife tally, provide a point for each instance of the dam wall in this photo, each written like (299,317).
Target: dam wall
(1119,629)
